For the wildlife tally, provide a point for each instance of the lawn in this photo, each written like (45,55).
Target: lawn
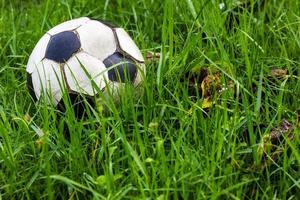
(217,116)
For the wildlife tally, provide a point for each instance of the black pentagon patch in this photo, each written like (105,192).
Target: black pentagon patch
(62,46)
(124,70)
(78,103)
(30,87)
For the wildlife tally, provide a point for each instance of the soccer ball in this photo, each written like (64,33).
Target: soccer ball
(83,56)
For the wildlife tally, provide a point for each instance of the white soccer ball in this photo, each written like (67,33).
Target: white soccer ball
(83,56)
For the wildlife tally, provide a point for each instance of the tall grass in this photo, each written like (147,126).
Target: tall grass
(157,143)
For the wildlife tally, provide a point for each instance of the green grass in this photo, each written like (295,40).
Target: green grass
(160,144)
